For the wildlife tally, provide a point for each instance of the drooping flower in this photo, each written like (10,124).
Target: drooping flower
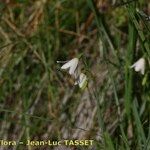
(71,65)
(82,81)
(75,70)
(139,66)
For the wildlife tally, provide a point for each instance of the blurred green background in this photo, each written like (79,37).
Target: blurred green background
(39,101)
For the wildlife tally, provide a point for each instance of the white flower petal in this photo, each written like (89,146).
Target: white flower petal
(142,71)
(72,69)
(71,65)
(139,66)
(132,66)
(66,65)
(82,80)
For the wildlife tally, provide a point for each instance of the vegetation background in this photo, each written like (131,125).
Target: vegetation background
(38,101)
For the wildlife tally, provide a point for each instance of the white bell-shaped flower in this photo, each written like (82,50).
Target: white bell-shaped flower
(139,66)
(81,81)
(71,65)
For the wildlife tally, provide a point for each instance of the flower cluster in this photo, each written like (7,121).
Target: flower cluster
(72,66)
(81,79)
